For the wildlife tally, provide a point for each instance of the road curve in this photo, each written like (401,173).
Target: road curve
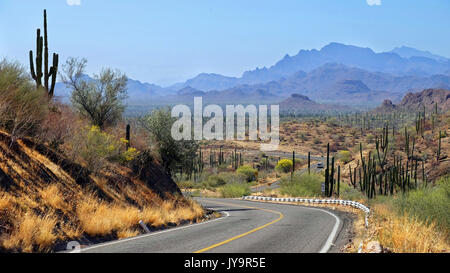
(247,227)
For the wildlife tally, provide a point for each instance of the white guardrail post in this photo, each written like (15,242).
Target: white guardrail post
(354,204)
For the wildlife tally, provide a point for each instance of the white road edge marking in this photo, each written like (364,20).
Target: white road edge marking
(332,236)
(147,235)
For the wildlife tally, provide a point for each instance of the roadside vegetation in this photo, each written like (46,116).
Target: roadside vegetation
(82,171)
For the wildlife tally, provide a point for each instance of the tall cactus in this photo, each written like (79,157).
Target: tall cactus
(36,74)
(439,147)
(309,162)
(127,137)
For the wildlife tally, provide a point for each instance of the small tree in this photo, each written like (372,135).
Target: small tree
(173,153)
(101,99)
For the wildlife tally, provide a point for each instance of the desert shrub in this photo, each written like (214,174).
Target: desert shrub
(430,204)
(302,136)
(284,165)
(345,156)
(22,106)
(235,190)
(249,173)
(308,185)
(95,148)
(216,181)
(58,126)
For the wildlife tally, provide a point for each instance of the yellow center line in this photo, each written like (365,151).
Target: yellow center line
(243,234)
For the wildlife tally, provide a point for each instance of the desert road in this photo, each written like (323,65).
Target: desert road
(246,227)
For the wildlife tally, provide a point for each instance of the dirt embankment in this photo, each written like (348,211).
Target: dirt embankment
(47,200)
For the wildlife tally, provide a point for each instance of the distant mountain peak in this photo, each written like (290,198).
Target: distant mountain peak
(189,91)
(409,52)
(300,97)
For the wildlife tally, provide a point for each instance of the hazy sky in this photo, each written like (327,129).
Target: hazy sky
(167,41)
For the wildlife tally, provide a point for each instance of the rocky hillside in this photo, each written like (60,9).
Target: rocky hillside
(416,101)
(47,200)
(427,98)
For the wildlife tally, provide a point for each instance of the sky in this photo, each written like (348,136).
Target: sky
(169,41)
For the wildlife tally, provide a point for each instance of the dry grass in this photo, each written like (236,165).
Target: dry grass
(127,233)
(5,201)
(52,196)
(31,231)
(99,218)
(407,234)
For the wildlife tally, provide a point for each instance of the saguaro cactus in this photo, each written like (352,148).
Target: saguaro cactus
(309,162)
(127,137)
(36,74)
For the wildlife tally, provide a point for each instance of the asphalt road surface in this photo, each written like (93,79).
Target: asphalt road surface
(246,227)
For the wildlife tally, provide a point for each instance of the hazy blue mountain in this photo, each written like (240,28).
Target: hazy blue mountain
(337,83)
(401,61)
(364,58)
(189,91)
(208,82)
(337,73)
(408,52)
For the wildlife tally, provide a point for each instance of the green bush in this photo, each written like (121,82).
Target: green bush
(345,156)
(428,204)
(234,190)
(95,147)
(284,165)
(216,181)
(302,185)
(249,173)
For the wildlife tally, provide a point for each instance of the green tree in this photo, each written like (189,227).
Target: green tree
(173,153)
(101,100)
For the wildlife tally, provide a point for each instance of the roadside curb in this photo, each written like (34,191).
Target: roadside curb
(354,204)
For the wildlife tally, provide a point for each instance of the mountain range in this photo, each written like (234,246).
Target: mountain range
(337,73)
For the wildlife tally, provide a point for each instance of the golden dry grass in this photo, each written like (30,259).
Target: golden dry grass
(101,218)
(52,196)
(407,234)
(33,230)
(127,233)
(6,201)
